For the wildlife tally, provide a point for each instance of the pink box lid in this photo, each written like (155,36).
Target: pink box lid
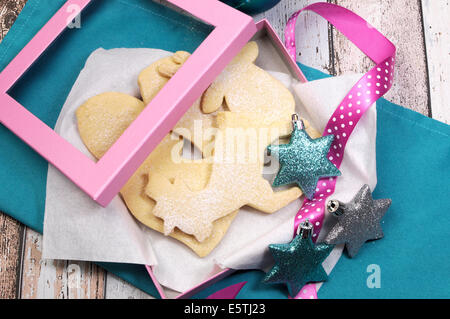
(104,179)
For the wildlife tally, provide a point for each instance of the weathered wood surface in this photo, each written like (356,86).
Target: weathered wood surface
(401,22)
(436,15)
(312,40)
(324,48)
(116,288)
(419,28)
(10,256)
(9,10)
(50,279)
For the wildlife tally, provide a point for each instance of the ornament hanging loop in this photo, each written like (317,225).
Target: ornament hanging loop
(297,123)
(305,229)
(335,207)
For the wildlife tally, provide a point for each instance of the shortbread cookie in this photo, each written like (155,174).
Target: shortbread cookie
(194,174)
(194,125)
(152,79)
(236,179)
(249,89)
(102,120)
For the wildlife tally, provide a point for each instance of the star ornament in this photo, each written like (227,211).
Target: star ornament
(304,160)
(299,262)
(357,221)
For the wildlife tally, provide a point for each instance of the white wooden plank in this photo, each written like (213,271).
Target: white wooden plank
(50,279)
(311,32)
(436,15)
(401,22)
(116,288)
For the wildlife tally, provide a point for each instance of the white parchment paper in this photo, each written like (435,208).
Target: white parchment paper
(76,228)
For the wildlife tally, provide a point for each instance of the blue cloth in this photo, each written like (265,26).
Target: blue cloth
(413,167)
(413,155)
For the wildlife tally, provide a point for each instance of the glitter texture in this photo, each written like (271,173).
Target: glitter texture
(304,161)
(359,222)
(298,263)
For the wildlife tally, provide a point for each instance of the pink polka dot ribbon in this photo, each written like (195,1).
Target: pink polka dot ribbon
(372,86)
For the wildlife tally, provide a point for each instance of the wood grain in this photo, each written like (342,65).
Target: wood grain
(437,40)
(401,22)
(312,33)
(51,279)
(116,288)
(9,10)
(10,256)
(11,232)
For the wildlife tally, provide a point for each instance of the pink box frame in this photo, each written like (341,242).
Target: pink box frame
(263,24)
(104,179)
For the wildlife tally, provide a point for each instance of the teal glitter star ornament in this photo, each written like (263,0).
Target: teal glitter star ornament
(304,160)
(299,262)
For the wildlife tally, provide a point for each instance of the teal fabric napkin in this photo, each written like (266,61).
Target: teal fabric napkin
(413,155)
(413,259)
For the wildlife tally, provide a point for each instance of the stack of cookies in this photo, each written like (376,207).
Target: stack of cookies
(195,200)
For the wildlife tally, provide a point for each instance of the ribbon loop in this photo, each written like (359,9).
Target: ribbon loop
(372,86)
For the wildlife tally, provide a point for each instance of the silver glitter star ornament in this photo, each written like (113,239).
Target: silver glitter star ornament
(298,262)
(357,221)
(304,160)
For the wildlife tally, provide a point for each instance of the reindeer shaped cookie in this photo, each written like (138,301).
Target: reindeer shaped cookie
(236,179)
(247,88)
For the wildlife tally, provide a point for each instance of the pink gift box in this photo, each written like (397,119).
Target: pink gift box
(103,180)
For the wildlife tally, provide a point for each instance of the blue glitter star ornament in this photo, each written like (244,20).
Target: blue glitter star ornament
(299,262)
(304,160)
